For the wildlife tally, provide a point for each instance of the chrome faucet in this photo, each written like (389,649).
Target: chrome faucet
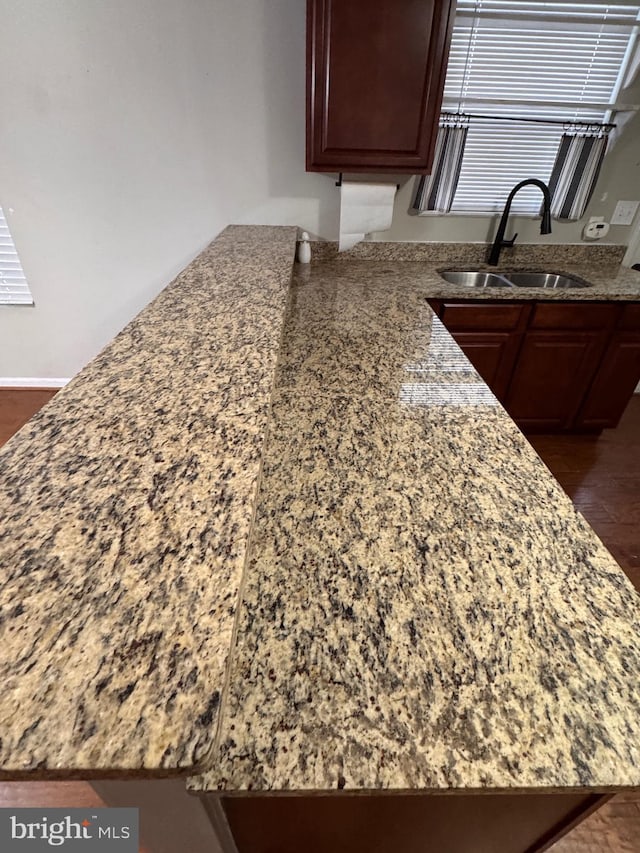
(545,225)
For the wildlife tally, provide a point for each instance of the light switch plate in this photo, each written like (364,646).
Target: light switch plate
(624,212)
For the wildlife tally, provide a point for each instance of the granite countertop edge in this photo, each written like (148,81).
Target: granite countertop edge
(597,265)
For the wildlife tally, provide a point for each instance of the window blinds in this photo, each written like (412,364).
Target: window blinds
(559,60)
(14,289)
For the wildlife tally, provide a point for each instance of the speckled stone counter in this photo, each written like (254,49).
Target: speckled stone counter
(602,256)
(408,602)
(420,264)
(125,509)
(423,607)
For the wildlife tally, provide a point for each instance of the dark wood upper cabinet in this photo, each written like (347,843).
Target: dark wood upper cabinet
(375,75)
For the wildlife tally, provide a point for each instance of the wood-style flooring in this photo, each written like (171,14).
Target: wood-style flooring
(17,405)
(614,828)
(601,475)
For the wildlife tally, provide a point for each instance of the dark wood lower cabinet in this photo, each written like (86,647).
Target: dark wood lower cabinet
(551,375)
(556,366)
(370,822)
(493,354)
(489,334)
(613,385)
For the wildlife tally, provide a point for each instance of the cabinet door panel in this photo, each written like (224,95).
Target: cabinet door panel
(550,378)
(493,356)
(375,74)
(630,318)
(614,383)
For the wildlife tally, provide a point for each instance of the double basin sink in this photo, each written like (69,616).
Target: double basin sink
(548,281)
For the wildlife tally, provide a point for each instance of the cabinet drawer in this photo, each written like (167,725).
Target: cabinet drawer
(459,317)
(558,315)
(630,318)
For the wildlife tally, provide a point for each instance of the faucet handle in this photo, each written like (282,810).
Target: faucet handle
(511,241)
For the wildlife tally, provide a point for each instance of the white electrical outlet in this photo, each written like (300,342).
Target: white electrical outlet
(595,229)
(624,212)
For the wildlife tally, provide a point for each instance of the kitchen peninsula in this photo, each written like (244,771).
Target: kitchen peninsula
(347,574)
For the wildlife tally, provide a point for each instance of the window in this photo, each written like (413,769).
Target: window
(14,289)
(532,60)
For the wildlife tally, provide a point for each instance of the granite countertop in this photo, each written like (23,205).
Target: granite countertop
(423,607)
(401,597)
(420,264)
(126,505)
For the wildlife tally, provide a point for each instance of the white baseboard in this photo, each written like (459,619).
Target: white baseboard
(31,382)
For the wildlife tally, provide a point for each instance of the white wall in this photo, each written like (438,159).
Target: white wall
(133,131)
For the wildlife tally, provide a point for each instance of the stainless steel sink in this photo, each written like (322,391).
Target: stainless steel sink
(548,281)
(543,280)
(469,278)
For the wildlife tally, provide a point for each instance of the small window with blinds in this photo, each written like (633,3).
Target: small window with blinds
(558,61)
(14,289)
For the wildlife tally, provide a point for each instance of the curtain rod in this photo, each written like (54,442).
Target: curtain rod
(565,122)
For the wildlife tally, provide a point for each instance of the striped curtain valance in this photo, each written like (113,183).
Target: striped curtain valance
(436,191)
(575,173)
